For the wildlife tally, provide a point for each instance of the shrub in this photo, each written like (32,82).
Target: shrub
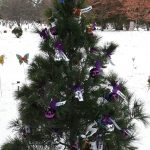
(17,31)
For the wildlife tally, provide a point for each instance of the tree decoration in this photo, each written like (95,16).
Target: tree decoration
(106,122)
(89,29)
(91,129)
(78,111)
(23,59)
(78,11)
(50,112)
(44,33)
(78,91)
(53,30)
(85,10)
(2,59)
(96,70)
(59,54)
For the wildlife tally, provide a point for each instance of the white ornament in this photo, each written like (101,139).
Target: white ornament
(78,94)
(110,127)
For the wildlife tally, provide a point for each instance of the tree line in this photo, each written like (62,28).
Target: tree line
(23,10)
(121,12)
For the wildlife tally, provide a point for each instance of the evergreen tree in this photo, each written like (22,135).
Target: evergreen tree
(71,102)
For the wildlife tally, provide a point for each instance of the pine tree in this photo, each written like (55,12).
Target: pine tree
(71,101)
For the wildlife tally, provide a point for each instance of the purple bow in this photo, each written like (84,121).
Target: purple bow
(50,113)
(44,33)
(96,70)
(59,46)
(94,26)
(116,87)
(53,30)
(77,87)
(93,49)
(105,120)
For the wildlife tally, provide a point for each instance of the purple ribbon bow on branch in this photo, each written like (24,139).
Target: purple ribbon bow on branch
(59,54)
(96,70)
(53,30)
(44,33)
(50,113)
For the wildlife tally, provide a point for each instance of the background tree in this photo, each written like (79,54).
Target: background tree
(70,101)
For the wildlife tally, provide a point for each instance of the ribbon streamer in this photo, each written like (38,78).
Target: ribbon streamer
(78,92)
(50,113)
(59,54)
(87,9)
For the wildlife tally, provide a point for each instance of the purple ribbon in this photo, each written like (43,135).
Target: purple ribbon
(44,33)
(116,87)
(93,49)
(53,30)
(106,120)
(59,46)
(96,70)
(77,87)
(94,26)
(50,113)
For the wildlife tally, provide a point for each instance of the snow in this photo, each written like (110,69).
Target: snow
(131,61)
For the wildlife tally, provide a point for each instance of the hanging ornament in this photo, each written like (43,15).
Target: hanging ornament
(89,29)
(91,129)
(53,30)
(106,122)
(50,113)
(99,142)
(23,59)
(44,33)
(78,91)
(77,11)
(85,10)
(96,70)
(2,59)
(59,54)
(94,26)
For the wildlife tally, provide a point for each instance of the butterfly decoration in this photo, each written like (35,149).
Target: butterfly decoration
(2,59)
(23,59)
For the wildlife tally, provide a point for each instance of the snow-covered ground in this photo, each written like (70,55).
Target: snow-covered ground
(131,61)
